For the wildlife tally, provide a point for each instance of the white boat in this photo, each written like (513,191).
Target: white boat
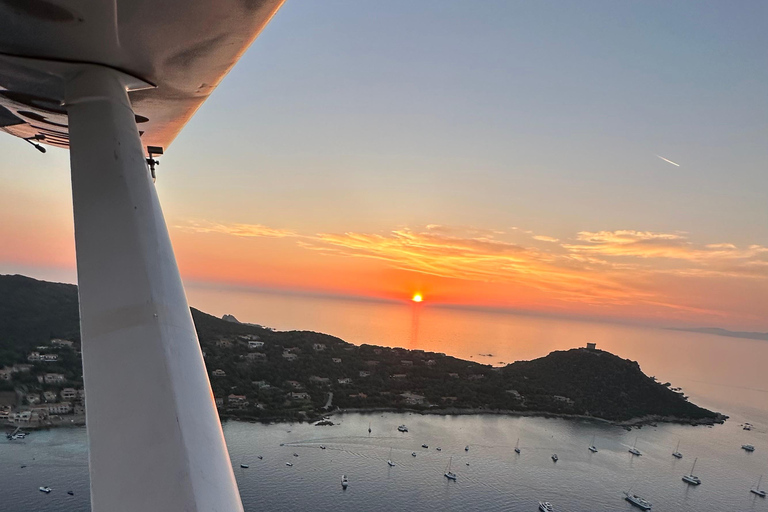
(748,447)
(44,489)
(517,446)
(691,478)
(389,460)
(676,454)
(592,446)
(747,426)
(344,481)
(554,457)
(450,475)
(424,445)
(413,454)
(402,428)
(634,450)
(638,501)
(289,463)
(244,466)
(757,490)
(546,506)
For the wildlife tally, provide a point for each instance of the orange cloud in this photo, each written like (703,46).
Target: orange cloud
(244,230)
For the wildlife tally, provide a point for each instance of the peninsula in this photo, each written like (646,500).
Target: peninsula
(264,375)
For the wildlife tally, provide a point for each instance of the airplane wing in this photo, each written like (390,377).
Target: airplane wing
(179,49)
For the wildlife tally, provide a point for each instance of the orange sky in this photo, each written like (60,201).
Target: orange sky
(624,274)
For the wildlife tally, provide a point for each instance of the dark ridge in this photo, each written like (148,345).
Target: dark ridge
(258,382)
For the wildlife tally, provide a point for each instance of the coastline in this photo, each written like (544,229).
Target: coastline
(632,422)
(626,424)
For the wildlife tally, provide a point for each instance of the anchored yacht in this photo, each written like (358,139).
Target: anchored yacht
(676,454)
(757,490)
(450,475)
(344,481)
(634,450)
(638,501)
(546,506)
(691,478)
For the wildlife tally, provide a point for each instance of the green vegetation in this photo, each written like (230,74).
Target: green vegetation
(257,373)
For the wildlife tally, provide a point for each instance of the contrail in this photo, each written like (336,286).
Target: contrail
(669,161)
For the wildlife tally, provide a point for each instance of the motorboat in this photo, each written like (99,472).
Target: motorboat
(344,481)
(244,466)
(748,447)
(554,457)
(413,454)
(466,448)
(71,493)
(592,446)
(424,446)
(638,501)
(545,506)
(402,428)
(44,489)
(389,460)
(691,478)
(289,463)
(517,446)
(322,447)
(634,450)
(439,449)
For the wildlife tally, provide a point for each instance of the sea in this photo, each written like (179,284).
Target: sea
(724,374)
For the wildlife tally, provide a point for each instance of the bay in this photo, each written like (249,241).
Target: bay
(724,374)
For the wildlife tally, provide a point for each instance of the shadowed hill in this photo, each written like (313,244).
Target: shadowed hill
(258,373)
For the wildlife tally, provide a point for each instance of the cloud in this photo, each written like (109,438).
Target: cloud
(241,230)
(544,238)
(722,258)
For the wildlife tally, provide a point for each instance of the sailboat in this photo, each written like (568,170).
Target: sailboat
(757,490)
(369,427)
(676,454)
(344,481)
(517,446)
(450,475)
(691,478)
(634,450)
(389,460)
(592,446)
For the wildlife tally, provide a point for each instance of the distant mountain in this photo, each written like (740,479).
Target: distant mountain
(725,332)
(258,373)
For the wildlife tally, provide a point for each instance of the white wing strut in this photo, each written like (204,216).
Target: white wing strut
(155,439)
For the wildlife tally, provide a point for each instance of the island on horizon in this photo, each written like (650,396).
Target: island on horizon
(258,374)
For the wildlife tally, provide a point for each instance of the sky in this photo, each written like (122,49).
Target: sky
(601,159)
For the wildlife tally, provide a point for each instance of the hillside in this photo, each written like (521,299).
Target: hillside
(258,373)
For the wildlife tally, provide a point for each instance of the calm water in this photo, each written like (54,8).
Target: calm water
(721,373)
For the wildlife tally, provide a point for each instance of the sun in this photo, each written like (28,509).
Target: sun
(417,297)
